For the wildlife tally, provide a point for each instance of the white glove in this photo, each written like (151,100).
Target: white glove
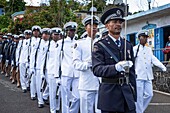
(89,62)
(27,65)
(164,69)
(1,56)
(12,63)
(17,64)
(120,66)
(32,71)
(42,75)
(58,81)
(6,62)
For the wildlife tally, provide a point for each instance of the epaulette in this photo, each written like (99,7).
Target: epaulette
(128,41)
(101,39)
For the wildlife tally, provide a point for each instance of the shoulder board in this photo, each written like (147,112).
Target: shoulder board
(128,41)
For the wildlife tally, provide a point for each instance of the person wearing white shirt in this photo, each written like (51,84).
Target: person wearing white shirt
(52,70)
(144,61)
(88,83)
(23,60)
(34,45)
(17,54)
(70,76)
(39,64)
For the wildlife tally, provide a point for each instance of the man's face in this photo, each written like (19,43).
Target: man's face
(143,40)
(27,36)
(1,37)
(36,33)
(46,36)
(71,32)
(169,38)
(56,36)
(89,27)
(9,37)
(16,40)
(114,26)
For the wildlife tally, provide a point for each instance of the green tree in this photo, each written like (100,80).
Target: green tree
(14,6)
(4,22)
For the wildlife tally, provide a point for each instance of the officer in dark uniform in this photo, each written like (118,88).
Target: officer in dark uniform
(1,48)
(4,44)
(8,49)
(117,91)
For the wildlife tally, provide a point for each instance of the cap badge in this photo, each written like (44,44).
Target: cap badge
(118,13)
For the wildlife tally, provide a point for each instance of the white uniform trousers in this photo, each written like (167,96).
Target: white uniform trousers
(24,81)
(88,101)
(54,102)
(38,87)
(46,91)
(67,95)
(144,95)
(33,85)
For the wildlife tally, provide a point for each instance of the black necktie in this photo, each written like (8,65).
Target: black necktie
(118,43)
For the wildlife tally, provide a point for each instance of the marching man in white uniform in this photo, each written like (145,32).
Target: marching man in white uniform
(23,61)
(18,54)
(88,83)
(52,69)
(143,67)
(39,64)
(34,44)
(70,76)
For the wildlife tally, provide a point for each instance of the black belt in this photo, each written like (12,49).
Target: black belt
(121,80)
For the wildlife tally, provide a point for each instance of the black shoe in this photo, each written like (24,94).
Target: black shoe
(46,101)
(24,90)
(33,98)
(57,111)
(40,105)
(28,88)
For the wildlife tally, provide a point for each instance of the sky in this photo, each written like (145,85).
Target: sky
(134,5)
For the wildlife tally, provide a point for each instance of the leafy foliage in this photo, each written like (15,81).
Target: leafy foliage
(59,12)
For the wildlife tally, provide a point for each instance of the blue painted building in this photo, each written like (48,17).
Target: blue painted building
(2,10)
(157,21)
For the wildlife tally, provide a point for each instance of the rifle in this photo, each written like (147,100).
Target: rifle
(35,62)
(42,84)
(26,72)
(12,68)
(61,57)
(1,56)
(44,66)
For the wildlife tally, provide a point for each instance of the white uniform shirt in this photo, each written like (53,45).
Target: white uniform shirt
(24,51)
(41,55)
(17,51)
(144,62)
(66,63)
(34,45)
(53,60)
(81,57)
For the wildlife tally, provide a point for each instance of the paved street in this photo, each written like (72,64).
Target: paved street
(12,100)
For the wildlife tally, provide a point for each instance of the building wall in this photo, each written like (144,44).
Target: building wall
(161,21)
(1,11)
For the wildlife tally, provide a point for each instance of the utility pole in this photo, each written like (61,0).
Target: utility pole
(149,4)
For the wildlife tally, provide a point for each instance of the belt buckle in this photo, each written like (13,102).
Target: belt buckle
(121,81)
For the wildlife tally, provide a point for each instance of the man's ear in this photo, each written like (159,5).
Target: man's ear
(106,25)
(86,27)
